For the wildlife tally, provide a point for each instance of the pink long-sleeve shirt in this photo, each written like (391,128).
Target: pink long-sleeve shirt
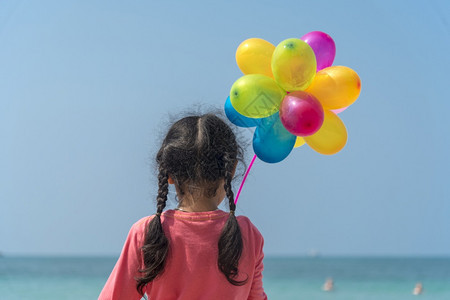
(191,270)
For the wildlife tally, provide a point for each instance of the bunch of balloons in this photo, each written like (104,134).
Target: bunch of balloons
(292,95)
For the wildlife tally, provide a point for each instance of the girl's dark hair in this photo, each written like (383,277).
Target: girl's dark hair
(197,151)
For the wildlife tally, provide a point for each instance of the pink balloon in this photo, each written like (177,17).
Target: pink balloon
(339,110)
(323,47)
(301,113)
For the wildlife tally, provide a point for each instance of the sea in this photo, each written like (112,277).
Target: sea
(359,278)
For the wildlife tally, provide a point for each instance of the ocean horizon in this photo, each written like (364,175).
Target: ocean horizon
(285,277)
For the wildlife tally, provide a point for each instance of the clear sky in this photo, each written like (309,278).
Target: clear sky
(87,87)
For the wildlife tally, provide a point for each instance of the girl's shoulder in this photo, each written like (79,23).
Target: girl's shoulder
(253,239)
(247,226)
(141,225)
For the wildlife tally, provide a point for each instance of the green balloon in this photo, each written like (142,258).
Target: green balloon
(256,96)
(293,65)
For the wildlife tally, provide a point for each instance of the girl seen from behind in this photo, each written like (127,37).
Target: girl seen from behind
(195,251)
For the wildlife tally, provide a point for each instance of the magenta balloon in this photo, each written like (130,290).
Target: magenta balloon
(301,113)
(323,47)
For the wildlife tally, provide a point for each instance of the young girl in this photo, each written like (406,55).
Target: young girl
(195,251)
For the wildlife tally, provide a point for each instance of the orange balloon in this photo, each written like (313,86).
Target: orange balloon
(335,87)
(254,56)
(331,137)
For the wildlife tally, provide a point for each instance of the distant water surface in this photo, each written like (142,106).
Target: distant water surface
(357,278)
(284,278)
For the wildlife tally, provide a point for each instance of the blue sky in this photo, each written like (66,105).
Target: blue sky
(88,87)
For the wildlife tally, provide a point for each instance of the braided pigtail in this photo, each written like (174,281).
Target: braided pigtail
(156,244)
(230,241)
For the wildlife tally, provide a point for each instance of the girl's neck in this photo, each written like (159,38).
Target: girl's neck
(197,207)
(196,200)
(198,203)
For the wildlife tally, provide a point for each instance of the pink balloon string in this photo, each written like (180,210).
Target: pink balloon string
(243,180)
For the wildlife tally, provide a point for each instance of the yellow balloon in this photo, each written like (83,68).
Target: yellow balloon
(253,56)
(293,65)
(331,137)
(256,96)
(299,142)
(336,87)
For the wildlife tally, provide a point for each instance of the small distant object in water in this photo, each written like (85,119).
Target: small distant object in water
(313,253)
(418,289)
(328,286)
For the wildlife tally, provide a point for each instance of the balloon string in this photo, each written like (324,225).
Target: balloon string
(245,177)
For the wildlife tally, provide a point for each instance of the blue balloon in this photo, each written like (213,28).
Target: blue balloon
(271,141)
(238,119)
